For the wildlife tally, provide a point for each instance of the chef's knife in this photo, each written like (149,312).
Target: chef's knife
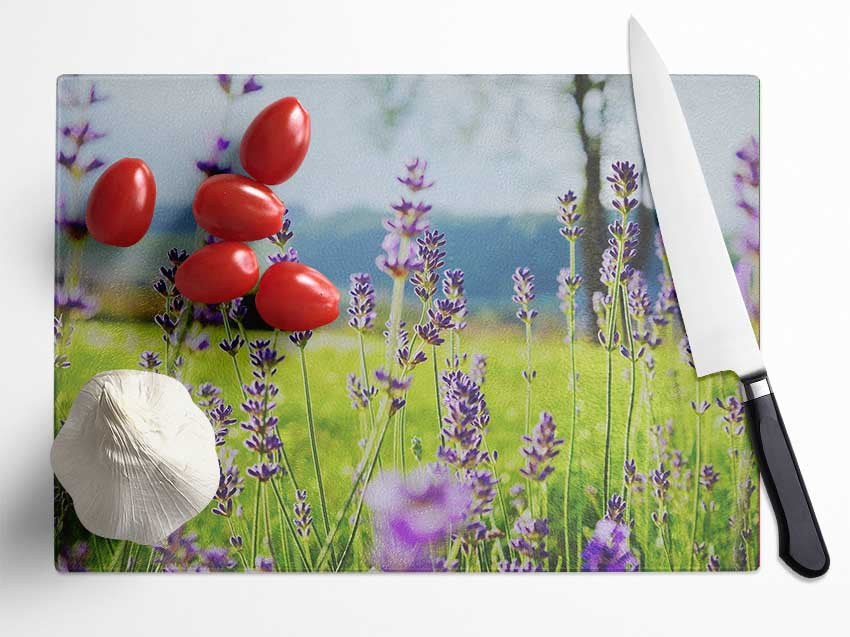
(716,320)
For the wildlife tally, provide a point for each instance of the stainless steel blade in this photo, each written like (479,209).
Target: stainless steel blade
(716,320)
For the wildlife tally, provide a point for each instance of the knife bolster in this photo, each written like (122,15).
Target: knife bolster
(756,388)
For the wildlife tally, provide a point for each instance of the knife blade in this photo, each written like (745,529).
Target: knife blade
(716,320)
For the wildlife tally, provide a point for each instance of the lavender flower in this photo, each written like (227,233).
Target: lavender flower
(174,303)
(530,542)
(708,476)
(541,449)
(250,85)
(73,559)
(217,558)
(61,342)
(214,163)
(430,250)
(394,387)
(523,281)
(179,552)
(478,369)
(454,293)
(264,564)
(413,515)
(231,346)
(400,255)
(747,183)
(361,302)
(259,406)
(360,396)
(76,161)
(608,549)
(72,227)
(303,519)
(74,303)
(614,273)
(616,508)
(300,339)
(149,360)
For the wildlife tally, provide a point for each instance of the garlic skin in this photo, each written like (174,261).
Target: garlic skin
(136,455)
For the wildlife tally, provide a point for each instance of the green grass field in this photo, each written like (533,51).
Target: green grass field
(333,353)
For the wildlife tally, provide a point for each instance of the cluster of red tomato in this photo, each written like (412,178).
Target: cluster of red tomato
(233,208)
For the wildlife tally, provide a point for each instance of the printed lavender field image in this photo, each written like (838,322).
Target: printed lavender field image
(508,388)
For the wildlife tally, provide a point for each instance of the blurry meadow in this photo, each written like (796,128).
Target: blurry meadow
(508,390)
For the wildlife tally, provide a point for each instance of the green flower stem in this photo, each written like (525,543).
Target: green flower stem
(255,531)
(304,558)
(528,399)
(527,376)
(437,399)
(667,543)
(609,345)
(568,474)
(238,551)
(396,306)
(632,392)
(364,373)
(268,522)
(133,557)
(402,415)
(696,473)
(367,472)
(284,540)
(314,449)
(98,556)
(229,334)
(149,565)
(501,497)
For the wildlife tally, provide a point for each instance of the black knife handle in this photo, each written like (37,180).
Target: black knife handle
(801,544)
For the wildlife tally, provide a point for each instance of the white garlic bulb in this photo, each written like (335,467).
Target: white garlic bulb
(136,455)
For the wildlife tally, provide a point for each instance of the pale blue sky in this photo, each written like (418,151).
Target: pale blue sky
(496,144)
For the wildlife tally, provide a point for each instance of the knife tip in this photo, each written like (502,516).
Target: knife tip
(634,28)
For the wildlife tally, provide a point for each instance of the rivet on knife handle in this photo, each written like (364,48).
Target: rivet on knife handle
(801,544)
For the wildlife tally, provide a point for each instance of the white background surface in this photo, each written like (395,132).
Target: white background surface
(799,50)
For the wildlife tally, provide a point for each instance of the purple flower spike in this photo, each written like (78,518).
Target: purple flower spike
(360,396)
(73,559)
(608,549)
(264,564)
(80,134)
(361,302)
(415,179)
(225,82)
(454,292)
(541,447)
(74,302)
(426,280)
(251,85)
(478,369)
(300,339)
(149,360)
(530,543)
(401,251)
(569,217)
(303,514)
(523,281)
(214,163)
(413,516)
(624,184)
(263,471)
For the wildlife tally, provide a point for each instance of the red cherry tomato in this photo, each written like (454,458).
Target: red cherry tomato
(295,297)
(218,272)
(121,203)
(275,143)
(237,208)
